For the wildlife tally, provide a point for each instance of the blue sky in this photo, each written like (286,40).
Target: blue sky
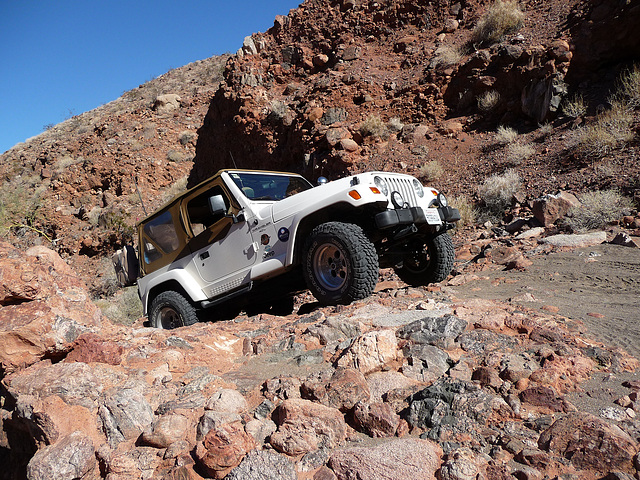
(61,58)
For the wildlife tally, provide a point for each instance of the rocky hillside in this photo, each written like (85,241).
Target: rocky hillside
(345,86)
(78,186)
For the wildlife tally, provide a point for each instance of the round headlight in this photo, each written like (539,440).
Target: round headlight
(381,184)
(418,188)
(442,200)
(397,200)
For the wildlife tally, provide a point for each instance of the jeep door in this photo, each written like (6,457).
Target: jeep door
(222,245)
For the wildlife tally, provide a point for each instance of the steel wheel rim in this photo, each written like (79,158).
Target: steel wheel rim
(417,262)
(168,318)
(331,266)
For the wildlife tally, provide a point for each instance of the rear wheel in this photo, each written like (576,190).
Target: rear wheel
(171,310)
(340,263)
(429,260)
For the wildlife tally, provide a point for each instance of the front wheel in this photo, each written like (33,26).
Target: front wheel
(171,310)
(429,260)
(340,263)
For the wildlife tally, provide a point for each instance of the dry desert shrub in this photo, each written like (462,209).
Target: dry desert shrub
(518,152)
(123,308)
(574,106)
(445,56)
(497,192)
(468,212)
(488,100)
(501,19)
(597,210)
(611,130)
(506,135)
(431,171)
(629,87)
(373,126)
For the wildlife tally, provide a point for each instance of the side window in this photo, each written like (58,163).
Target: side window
(198,211)
(162,232)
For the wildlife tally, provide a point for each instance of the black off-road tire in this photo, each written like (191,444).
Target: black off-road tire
(430,260)
(340,263)
(171,310)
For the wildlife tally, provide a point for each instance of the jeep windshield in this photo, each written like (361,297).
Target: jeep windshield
(269,186)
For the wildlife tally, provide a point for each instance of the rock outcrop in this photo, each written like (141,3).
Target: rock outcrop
(474,389)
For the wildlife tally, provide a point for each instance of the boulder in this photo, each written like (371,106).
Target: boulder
(125,414)
(343,390)
(165,430)
(70,457)
(304,426)
(409,459)
(167,103)
(223,449)
(371,351)
(227,400)
(376,419)
(550,208)
(264,465)
(44,307)
(576,241)
(431,330)
(590,443)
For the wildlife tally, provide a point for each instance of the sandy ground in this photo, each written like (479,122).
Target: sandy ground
(598,287)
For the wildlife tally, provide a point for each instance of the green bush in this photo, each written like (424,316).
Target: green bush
(597,210)
(501,19)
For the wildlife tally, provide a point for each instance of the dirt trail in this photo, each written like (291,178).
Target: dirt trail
(598,286)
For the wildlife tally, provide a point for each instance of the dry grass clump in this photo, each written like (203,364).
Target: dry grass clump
(501,19)
(597,210)
(124,308)
(20,205)
(446,56)
(574,107)
(506,135)
(488,100)
(468,211)
(612,130)
(431,171)
(497,192)
(629,87)
(373,126)
(518,152)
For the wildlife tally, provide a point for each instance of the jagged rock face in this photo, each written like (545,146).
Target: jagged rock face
(277,107)
(282,91)
(604,33)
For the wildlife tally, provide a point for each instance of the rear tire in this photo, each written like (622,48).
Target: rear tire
(171,310)
(429,261)
(340,263)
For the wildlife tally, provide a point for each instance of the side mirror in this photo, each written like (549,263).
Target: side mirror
(217,205)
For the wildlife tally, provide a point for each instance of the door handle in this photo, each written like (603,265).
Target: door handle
(204,255)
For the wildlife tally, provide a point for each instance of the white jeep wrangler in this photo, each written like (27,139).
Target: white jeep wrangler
(215,241)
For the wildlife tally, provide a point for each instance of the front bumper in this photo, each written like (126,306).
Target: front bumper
(416,215)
